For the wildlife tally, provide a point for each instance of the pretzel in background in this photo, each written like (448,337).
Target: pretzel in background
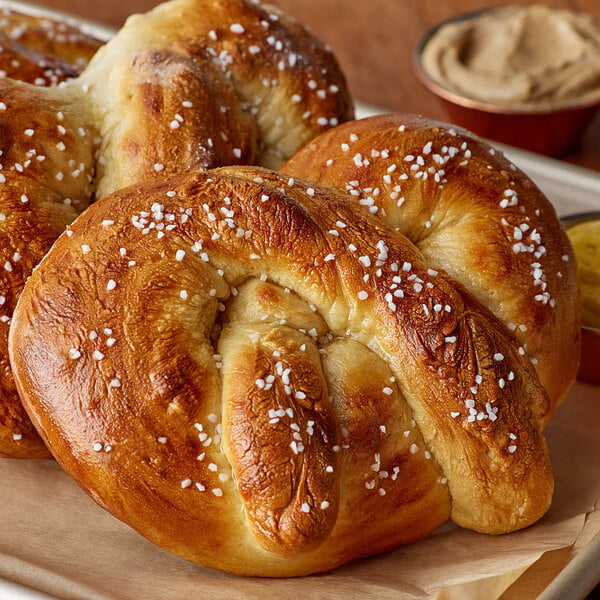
(193,84)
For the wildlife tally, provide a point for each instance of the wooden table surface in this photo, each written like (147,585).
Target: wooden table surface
(373,42)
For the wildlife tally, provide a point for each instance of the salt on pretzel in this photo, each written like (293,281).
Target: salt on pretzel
(264,379)
(470,212)
(191,84)
(42,51)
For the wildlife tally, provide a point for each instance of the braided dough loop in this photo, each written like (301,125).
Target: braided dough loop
(191,84)
(233,82)
(470,212)
(40,50)
(42,190)
(266,388)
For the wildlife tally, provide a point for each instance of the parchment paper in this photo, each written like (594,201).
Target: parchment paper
(54,539)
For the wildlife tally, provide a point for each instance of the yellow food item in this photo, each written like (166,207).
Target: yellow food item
(585,238)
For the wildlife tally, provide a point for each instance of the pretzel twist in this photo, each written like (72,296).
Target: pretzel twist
(266,384)
(471,213)
(193,84)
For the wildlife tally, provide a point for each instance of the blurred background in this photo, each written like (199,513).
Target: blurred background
(373,41)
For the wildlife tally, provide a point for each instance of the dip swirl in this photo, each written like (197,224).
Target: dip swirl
(521,57)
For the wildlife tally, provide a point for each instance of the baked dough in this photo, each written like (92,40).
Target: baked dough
(40,50)
(191,84)
(470,212)
(264,379)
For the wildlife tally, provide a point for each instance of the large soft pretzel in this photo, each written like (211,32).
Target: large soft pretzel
(471,213)
(263,379)
(193,84)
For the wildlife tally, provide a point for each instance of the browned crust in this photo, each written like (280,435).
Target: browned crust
(139,420)
(42,51)
(470,212)
(178,88)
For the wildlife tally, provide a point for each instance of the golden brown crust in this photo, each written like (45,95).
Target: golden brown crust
(274,343)
(42,189)
(470,212)
(273,487)
(178,88)
(42,51)
(208,84)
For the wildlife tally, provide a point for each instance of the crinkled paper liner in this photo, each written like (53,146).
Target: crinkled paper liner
(55,540)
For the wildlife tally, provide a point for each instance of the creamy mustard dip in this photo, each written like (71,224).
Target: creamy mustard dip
(530,56)
(585,239)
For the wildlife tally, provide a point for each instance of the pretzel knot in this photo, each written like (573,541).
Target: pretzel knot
(193,84)
(470,212)
(260,377)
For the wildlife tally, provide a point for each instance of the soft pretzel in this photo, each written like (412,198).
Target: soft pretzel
(41,50)
(263,379)
(471,213)
(191,84)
